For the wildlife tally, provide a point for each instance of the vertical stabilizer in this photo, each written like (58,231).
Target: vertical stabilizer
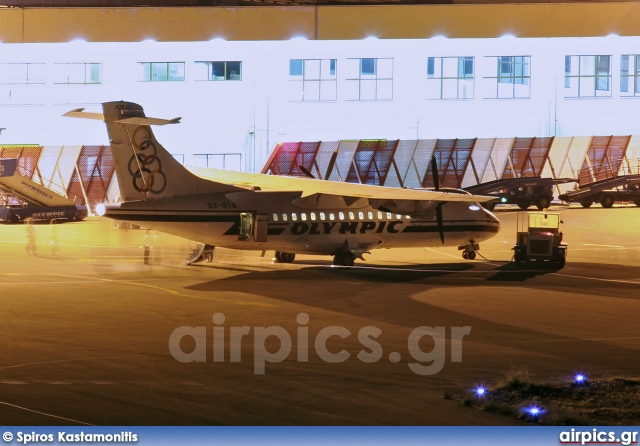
(145,170)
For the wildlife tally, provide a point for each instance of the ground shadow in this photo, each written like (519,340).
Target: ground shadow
(511,272)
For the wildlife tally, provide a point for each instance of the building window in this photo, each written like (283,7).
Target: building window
(222,71)
(77,73)
(450,77)
(295,67)
(162,71)
(21,73)
(512,78)
(368,67)
(630,75)
(587,76)
(369,79)
(313,80)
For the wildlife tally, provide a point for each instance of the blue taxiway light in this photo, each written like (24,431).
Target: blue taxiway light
(534,411)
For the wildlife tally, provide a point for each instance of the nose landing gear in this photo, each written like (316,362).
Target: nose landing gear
(469,251)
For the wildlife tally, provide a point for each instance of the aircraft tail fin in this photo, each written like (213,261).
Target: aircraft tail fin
(145,169)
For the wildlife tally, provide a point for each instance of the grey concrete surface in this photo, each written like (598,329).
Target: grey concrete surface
(85,331)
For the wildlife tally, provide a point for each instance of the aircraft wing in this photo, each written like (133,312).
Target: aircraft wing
(309,186)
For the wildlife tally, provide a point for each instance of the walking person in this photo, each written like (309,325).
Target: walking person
(156,256)
(53,244)
(146,245)
(31,237)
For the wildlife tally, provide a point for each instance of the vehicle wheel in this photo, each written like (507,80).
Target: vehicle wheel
(465,254)
(561,261)
(489,206)
(606,201)
(586,204)
(471,255)
(524,206)
(543,202)
(15,219)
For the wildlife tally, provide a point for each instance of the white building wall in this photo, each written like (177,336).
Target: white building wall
(251,115)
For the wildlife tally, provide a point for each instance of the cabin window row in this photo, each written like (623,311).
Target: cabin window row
(337,216)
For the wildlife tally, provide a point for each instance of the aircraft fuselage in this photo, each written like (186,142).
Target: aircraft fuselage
(284,222)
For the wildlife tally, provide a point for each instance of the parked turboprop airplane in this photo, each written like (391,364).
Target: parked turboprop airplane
(264,212)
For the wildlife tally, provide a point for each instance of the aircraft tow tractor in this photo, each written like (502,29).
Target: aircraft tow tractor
(539,238)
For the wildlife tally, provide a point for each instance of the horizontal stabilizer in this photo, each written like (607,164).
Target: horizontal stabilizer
(148,121)
(137,120)
(80,113)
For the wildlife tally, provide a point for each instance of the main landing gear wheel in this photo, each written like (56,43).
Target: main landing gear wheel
(344,259)
(285,257)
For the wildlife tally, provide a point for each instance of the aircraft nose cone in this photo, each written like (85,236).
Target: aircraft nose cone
(493,219)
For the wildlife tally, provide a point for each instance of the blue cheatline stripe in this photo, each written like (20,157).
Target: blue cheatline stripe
(234,230)
(198,218)
(527,435)
(452,228)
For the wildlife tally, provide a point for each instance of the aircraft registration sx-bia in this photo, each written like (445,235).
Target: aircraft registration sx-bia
(290,215)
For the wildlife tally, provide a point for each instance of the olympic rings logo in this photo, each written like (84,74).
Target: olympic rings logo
(146,168)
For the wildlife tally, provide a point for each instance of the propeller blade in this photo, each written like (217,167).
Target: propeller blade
(434,173)
(332,163)
(305,171)
(439,222)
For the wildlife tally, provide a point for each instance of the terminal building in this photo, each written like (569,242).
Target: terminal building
(246,80)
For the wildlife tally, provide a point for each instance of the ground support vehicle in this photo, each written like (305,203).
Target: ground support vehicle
(539,239)
(523,192)
(21,212)
(624,188)
(22,198)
